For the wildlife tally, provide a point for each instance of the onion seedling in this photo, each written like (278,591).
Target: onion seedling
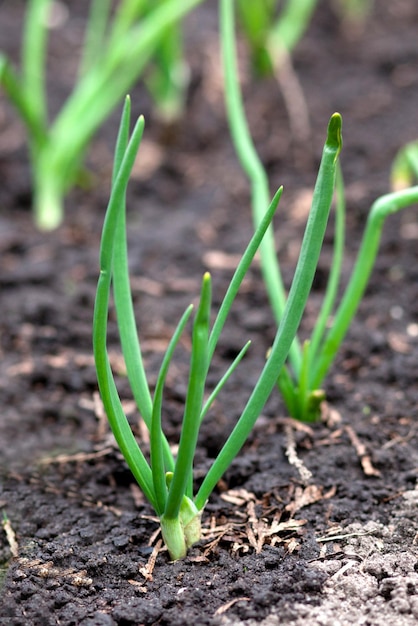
(117,49)
(300,381)
(166,479)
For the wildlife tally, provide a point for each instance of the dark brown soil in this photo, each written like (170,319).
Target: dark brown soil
(337,548)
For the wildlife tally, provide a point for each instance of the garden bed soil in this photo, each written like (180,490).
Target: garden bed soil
(312,524)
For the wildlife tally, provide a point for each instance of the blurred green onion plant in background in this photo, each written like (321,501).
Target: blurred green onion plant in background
(141,35)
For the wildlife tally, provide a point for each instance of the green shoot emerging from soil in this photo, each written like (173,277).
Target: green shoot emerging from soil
(118,47)
(167,481)
(300,381)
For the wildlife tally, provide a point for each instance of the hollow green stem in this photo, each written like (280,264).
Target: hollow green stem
(333,282)
(301,398)
(108,391)
(94,37)
(161,460)
(254,169)
(181,481)
(33,58)
(381,209)
(241,271)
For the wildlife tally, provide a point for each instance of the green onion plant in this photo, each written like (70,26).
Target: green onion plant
(300,381)
(118,48)
(167,479)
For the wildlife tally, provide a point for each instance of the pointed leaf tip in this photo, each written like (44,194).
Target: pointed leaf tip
(334,136)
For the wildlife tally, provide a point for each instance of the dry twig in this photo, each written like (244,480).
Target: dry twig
(360,448)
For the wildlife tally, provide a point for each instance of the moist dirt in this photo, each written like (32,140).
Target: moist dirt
(312,524)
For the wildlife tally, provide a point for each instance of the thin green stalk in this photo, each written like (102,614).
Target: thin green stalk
(27,92)
(108,391)
(122,140)
(118,194)
(33,58)
(12,85)
(129,11)
(333,282)
(241,272)
(298,295)
(113,407)
(131,348)
(126,322)
(255,171)
(223,380)
(194,402)
(161,463)
(94,38)
(301,398)
(381,209)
